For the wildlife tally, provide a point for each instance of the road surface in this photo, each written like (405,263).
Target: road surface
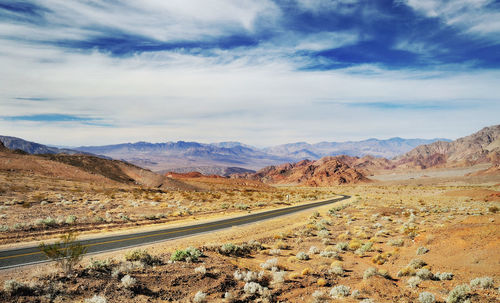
(30,255)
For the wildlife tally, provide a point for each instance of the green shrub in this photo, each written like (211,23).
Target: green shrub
(67,252)
(459,294)
(142,256)
(188,254)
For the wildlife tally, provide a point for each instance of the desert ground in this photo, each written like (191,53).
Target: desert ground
(424,239)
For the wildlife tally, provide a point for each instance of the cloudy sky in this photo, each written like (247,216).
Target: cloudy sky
(262,72)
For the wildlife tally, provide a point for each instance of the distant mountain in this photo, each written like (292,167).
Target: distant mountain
(209,158)
(173,155)
(480,147)
(327,171)
(33,148)
(379,148)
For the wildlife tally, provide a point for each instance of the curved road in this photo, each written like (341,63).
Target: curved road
(30,255)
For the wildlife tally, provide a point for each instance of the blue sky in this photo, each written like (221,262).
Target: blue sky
(262,72)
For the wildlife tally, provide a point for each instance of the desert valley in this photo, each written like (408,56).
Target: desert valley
(384,244)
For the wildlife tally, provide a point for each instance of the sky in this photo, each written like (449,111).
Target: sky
(261,72)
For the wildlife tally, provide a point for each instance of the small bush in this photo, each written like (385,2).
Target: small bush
(279,277)
(13,288)
(459,294)
(200,297)
(230,249)
(370,272)
(396,242)
(142,256)
(426,297)
(99,265)
(67,252)
(422,250)
(414,282)
(253,288)
(340,291)
(443,276)
(313,250)
(483,282)
(128,282)
(302,256)
(270,263)
(424,274)
(319,297)
(341,246)
(96,299)
(189,254)
(329,254)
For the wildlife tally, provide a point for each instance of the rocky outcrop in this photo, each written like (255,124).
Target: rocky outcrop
(327,171)
(480,147)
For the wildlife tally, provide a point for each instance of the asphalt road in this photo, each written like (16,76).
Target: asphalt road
(30,255)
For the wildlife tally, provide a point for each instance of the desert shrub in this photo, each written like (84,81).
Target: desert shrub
(483,282)
(441,276)
(99,265)
(228,297)
(142,256)
(200,297)
(275,252)
(128,282)
(313,250)
(354,244)
(336,270)
(426,297)
(67,252)
(253,288)
(278,277)
(302,256)
(14,288)
(414,282)
(319,297)
(342,246)
(230,249)
(424,274)
(340,291)
(364,248)
(189,254)
(96,299)
(71,219)
(4,228)
(329,254)
(370,272)
(247,276)
(422,250)
(396,242)
(367,301)
(126,268)
(355,294)
(459,294)
(270,263)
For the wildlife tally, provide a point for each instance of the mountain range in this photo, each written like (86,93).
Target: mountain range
(212,158)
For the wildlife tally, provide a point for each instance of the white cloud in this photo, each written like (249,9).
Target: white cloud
(471,15)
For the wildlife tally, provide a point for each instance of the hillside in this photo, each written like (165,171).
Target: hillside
(480,147)
(29,147)
(85,168)
(327,171)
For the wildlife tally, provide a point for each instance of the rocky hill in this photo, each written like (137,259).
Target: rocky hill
(480,147)
(80,167)
(327,171)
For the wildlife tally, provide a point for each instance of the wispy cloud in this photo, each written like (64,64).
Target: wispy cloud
(246,70)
